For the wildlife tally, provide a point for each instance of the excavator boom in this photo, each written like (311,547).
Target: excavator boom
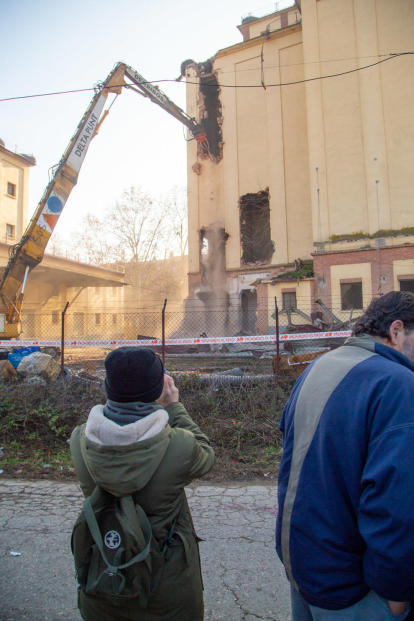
(29,251)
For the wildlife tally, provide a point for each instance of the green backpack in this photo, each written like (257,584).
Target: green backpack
(116,556)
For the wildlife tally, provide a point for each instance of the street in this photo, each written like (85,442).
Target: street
(243,578)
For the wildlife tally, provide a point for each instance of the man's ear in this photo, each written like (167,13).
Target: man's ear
(395,331)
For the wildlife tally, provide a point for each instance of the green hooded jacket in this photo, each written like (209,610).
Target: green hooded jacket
(155,471)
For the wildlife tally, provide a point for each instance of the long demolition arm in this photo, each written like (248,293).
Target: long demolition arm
(29,251)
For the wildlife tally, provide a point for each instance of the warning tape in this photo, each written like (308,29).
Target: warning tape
(261,338)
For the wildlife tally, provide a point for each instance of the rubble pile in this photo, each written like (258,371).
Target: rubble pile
(39,365)
(29,363)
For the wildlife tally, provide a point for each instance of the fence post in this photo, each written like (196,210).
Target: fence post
(277,337)
(62,360)
(163,332)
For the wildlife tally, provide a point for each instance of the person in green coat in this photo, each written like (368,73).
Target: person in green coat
(143,443)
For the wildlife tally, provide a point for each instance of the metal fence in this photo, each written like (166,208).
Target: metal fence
(205,340)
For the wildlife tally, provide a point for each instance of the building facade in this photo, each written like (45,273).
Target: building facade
(319,167)
(14,193)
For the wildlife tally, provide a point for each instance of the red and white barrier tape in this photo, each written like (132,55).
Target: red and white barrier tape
(261,338)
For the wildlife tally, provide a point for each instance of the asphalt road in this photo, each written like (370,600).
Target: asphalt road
(243,578)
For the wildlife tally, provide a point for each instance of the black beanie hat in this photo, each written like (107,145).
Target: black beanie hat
(133,374)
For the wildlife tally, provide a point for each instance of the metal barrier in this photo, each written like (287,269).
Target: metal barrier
(206,339)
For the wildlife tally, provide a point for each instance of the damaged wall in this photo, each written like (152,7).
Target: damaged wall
(211,117)
(248,155)
(209,111)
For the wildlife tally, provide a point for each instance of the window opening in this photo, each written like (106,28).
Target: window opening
(78,324)
(351,296)
(55,317)
(257,246)
(11,189)
(407,285)
(114,319)
(288,300)
(98,318)
(249,308)
(97,289)
(10,231)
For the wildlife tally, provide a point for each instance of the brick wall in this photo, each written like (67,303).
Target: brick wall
(381,260)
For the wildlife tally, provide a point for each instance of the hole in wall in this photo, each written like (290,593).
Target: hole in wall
(256,242)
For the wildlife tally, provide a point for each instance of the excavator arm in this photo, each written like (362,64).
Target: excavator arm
(29,251)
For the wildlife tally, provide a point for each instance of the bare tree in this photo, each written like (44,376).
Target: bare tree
(56,245)
(177,224)
(141,232)
(137,221)
(93,242)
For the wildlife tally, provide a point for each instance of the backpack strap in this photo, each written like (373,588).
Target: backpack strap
(133,519)
(132,529)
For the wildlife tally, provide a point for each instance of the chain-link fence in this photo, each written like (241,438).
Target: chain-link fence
(204,340)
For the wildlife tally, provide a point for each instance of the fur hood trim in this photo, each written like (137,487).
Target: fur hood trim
(104,431)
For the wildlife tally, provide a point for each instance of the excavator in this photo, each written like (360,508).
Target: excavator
(28,252)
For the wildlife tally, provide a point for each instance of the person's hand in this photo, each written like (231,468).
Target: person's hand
(169,393)
(397,608)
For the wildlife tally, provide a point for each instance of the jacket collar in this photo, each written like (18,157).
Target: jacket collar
(371,343)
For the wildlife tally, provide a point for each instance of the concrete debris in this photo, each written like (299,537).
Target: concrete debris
(203,68)
(212,245)
(40,365)
(232,372)
(55,352)
(296,364)
(6,369)
(35,379)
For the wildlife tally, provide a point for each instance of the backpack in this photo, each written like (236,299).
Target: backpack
(116,556)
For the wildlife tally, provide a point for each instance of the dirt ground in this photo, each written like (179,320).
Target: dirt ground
(91,360)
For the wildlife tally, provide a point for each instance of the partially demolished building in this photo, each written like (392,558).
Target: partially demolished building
(303,165)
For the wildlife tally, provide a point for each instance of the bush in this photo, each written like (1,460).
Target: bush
(242,423)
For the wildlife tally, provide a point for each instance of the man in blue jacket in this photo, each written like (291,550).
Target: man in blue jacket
(345,528)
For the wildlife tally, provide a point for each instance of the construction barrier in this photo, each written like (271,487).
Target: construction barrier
(260,338)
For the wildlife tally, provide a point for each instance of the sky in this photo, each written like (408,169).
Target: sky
(54,45)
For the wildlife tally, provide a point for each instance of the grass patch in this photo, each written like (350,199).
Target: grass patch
(408,230)
(241,422)
(305,272)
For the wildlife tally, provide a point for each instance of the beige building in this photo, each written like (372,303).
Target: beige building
(14,193)
(95,294)
(316,168)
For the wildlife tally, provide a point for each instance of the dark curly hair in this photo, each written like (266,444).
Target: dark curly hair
(382,311)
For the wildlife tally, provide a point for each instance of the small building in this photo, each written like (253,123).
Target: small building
(311,158)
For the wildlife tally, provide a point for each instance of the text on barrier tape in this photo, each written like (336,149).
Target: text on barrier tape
(261,338)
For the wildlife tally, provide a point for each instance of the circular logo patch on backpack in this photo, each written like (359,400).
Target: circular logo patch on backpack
(112,539)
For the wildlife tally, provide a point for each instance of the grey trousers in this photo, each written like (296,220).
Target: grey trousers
(371,608)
